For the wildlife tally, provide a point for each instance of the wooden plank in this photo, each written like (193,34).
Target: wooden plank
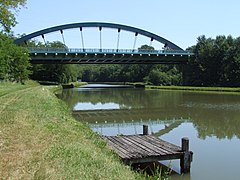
(154,144)
(154,158)
(141,146)
(150,146)
(131,147)
(164,144)
(130,151)
(118,145)
(119,150)
(145,151)
(159,144)
(147,148)
(170,145)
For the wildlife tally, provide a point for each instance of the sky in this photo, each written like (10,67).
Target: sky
(180,22)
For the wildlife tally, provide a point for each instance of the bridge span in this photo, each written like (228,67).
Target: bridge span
(107,56)
(170,53)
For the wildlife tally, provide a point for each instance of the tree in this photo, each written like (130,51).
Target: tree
(216,62)
(132,72)
(14,60)
(61,73)
(146,48)
(231,63)
(8,9)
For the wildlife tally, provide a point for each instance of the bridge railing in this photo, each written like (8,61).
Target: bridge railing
(111,51)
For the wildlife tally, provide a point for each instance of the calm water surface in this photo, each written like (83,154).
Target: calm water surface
(210,120)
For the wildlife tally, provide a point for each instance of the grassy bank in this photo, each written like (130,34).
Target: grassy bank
(188,88)
(39,139)
(6,88)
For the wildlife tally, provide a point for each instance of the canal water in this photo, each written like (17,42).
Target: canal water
(211,121)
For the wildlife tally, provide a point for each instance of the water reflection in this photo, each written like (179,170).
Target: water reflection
(97,106)
(157,128)
(211,121)
(211,114)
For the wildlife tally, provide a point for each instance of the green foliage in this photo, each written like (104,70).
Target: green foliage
(154,74)
(8,9)
(168,75)
(216,62)
(14,61)
(158,78)
(164,75)
(193,88)
(53,72)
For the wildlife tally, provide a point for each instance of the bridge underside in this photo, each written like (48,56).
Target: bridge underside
(107,58)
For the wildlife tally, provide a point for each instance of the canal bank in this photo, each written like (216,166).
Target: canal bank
(209,119)
(200,89)
(39,139)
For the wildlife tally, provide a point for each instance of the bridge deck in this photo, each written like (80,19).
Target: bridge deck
(107,56)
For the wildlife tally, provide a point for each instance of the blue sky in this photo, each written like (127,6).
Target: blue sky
(178,21)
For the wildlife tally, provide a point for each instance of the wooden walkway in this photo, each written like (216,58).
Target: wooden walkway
(147,148)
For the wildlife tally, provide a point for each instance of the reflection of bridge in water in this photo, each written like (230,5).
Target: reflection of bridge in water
(129,115)
(169,125)
(132,119)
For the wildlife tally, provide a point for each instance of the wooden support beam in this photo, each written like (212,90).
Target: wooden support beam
(185,161)
(145,129)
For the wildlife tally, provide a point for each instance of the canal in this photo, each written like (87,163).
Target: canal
(211,121)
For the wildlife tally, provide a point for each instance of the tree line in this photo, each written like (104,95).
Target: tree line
(154,74)
(216,62)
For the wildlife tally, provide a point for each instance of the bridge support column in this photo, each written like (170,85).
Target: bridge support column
(184,74)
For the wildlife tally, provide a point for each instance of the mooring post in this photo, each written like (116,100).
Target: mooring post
(185,161)
(145,129)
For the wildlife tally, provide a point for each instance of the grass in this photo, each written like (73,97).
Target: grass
(39,139)
(189,88)
(7,87)
(79,84)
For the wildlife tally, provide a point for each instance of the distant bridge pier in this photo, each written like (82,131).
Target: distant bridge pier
(183,69)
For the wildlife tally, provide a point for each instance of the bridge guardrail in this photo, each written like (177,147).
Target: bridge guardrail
(116,51)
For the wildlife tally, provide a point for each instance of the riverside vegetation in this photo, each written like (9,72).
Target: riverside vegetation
(194,88)
(39,139)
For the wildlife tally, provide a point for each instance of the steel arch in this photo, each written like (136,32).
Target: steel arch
(99,24)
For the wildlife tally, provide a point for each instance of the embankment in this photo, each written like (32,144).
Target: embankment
(39,139)
(191,88)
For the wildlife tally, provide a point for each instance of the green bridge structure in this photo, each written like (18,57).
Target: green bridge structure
(170,54)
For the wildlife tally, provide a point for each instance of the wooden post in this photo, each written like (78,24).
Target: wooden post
(145,129)
(185,160)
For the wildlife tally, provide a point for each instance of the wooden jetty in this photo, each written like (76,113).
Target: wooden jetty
(134,149)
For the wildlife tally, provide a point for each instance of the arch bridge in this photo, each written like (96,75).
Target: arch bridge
(169,54)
